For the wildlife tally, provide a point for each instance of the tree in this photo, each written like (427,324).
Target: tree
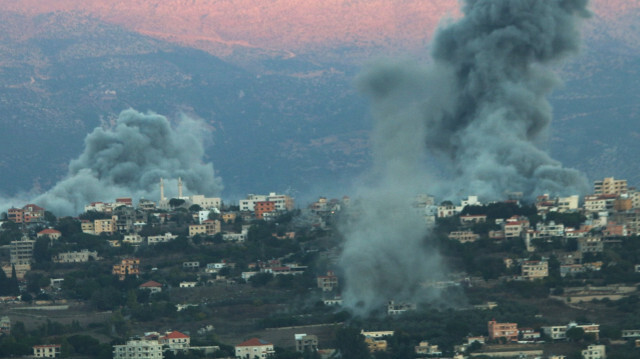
(176,202)
(195,208)
(350,343)
(575,334)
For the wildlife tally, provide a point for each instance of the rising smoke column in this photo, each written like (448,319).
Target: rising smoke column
(129,159)
(481,109)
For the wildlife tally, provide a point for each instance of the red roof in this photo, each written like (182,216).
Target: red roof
(175,335)
(150,284)
(254,342)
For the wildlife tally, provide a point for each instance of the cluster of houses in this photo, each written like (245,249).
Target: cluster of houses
(121,217)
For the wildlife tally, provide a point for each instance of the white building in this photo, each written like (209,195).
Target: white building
(162,238)
(76,257)
(254,348)
(138,348)
(133,239)
(205,202)
(46,351)
(594,352)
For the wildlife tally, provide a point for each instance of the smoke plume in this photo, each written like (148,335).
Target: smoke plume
(481,110)
(128,160)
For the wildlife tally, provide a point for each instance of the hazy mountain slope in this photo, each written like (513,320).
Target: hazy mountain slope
(289,122)
(267,132)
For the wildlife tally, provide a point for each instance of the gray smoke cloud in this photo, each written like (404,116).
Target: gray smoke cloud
(481,110)
(129,158)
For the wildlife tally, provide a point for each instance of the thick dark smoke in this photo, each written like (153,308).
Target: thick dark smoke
(481,109)
(128,160)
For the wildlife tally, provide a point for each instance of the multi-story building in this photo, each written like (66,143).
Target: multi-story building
(610,185)
(21,251)
(254,348)
(263,207)
(463,236)
(15,215)
(594,352)
(47,351)
(533,270)
(555,332)
(514,227)
(328,282)
(306,342)
(33,213)
(249,203)
(138,348)
(162,238)
(204,202)
(509,331)
(282,201)
(87,226)
(128,266)
(209,227)
(107,226)
(5,325)
(600,203)
(76,257)
(590,245)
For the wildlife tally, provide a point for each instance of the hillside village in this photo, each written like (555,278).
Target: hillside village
(192,277)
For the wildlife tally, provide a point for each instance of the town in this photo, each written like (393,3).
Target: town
(190,276)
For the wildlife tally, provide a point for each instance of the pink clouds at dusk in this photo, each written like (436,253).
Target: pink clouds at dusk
(297,26)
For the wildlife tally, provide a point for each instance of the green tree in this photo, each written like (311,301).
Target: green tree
(176,202)
(350,343)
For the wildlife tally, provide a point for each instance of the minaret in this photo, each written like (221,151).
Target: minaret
(179,187)
(162,190)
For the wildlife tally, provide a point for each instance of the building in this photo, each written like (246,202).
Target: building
(138,348)
(209,227)
(107,226)
(151,286)
(399,308)
(46,351)
(263,207)
(463,236)
(254,348)
(306,342)
(556,332)
(509,331)
(21,251)
(15,215)
(5,325)
(376,345)
(427,349)
(49,232)
(175,341)
(128,266)
(161,238)
(87,227)
(515,226)
(610,185)
(33,213)
(590,245)
(533,270)
(205,202)
(76,257)
(328,282)
(594,352)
